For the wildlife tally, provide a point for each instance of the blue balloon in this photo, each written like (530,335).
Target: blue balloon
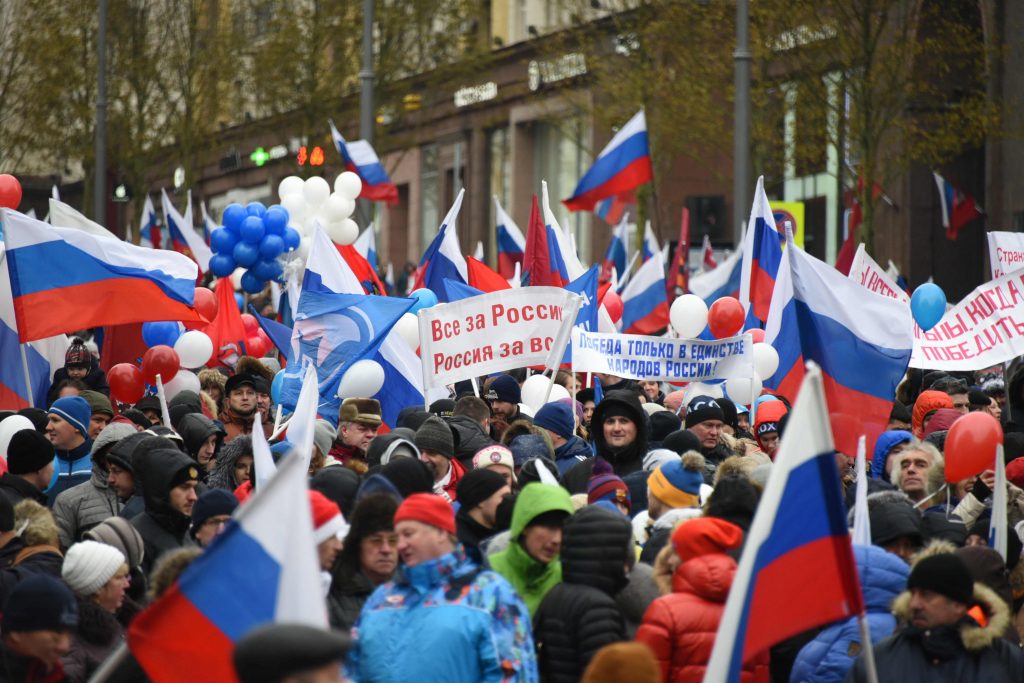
(233,216)
(275,387)
(222,265)
(276,220)
(267,269)
(222,241)
(157,333)
(256,209)
(271,246)
(239,300)
(928,305)
(252,229)
(291,238)
(251,283)
(424,299)
(246,254)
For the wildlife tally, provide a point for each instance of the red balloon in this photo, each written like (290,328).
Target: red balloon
(160,360)
(206,303)
(257,345)
(10,191)
(613,304)
(251,326)
(725,317)
(126,384)
(756,334)
(971,445)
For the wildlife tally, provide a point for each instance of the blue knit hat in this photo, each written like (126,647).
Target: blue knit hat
(557,418)
(527,446)
(213,502)
(75,411)
(504,388)
(677,483)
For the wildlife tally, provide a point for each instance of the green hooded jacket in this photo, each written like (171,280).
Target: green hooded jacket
(531,579)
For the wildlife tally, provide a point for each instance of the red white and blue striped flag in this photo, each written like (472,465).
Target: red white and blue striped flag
(623,165)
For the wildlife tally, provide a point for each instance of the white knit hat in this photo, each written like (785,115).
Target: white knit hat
(89,565)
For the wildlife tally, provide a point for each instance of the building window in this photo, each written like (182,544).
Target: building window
(429,191)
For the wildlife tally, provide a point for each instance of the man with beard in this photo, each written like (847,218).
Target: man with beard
(169,479)
(436,442)
(504,395)
(241,393)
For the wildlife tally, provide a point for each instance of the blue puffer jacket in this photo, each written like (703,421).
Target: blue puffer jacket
(827,658)
(571,452)
(885,443)
(443,620)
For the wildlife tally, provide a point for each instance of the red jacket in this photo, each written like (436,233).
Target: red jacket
(458,472)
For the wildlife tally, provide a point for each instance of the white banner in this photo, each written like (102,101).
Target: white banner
(1005,252)
(512,328)
(866,272)
(985,329)
(659,358)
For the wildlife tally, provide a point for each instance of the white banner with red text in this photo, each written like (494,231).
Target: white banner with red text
(1005,252)
(866,272)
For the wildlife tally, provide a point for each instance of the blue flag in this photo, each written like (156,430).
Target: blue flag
(279,333)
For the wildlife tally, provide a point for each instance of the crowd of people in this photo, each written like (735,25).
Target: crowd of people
(593,539)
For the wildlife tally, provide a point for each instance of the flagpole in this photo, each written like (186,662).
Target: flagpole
(110,664)
(28,376)
(869,649)
(568,323)
(424,367)
(163,402)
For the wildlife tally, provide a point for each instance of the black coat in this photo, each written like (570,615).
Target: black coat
(348,594)
(18,489)
(95,380)
(471,534)
(162,527)
(580,616)
(98,635)
(471,438)
(38,560)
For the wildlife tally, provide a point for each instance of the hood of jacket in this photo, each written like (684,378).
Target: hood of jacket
(885,443)
(628,401)
(534,500)
(707,576)
(195,429)
(223,475)
(156,469)
(596,547)
(975,638)
(882,576)
(573,449)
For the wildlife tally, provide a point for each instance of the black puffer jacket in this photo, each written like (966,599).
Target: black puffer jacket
(95,380)
(98,634)
(162,527)
(580,616)
(471,438)
(195,429)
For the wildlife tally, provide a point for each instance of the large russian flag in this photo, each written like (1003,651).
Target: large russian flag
(644,303)
(762,255)
(184,238)
(263,568)
(542,260)
(615,255)
(724,280)
(511,242)
(861,340)
(797,569)
(360,158)
(623,165)
(65,279)
(443,258)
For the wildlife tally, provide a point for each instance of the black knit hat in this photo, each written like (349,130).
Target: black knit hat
(435,435)
(29,451)
(77,354)
(280,651)
(703,408)
(945,574)
(729,410)
(409,476)
(978,399)
(504,388)
(660,425)
(900,413)
(212,503)
(477,486)
(681,441)
(40,603)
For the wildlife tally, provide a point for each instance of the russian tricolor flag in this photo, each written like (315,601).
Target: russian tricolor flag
(797,569)
(623,165)
(724,280)
(99,281)
(563,238)
(958,207)
(542,259)
(184,238)
(360,158)
(861,340)
(366,245)
(650,246)
(511,242)
(263,568)
(762,254)
(443,258)
(615,254)
(644,302)
(149,226)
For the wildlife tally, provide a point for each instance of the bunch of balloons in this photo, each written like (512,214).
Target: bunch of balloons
(253,237)
(312,202)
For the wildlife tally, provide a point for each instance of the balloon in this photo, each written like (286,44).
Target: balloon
(558,392)
(252,229)
(535,388)
(233,216)
(612,303)
(343,232)
(408,328)
(424,299)
(725,317)
(9,427)
(305,243)
(255,209)
(275,387)
(363,380)
(222,241)
(252,283)
(246,254)
(160,360)
(295,205)
(240,301)
(223,265)
(689,316)
(257,346)
(126,383)
(756,335)
(292,238)
(316,191)
(206,303)
(155,334)
(337,208)
(194,348)
(971,445)
(743,389)
(276,220)
(272,246)
(10,191)
(250,324)
(928,305)
(291,185)
(267,269)
(766,359)
(348,184)
(185,380)
(236,277)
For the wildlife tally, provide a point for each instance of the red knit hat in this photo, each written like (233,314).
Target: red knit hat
(427,508)
(327,518)
(1015,472)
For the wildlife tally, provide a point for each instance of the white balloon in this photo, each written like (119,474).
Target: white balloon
(337,208)
(10,427)
(305,243)
(766,359)
(343,232)
(184,380)
(558,392)
(689,316)
(700,389)
(316,191)
(309,225)
(744,390)
(363,380)
(295,205)
(194,348)
(535,388)
(291,185)
(348,184)
(408,328)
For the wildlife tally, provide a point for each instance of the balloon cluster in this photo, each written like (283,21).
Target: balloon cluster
(253,237)
(311,202)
